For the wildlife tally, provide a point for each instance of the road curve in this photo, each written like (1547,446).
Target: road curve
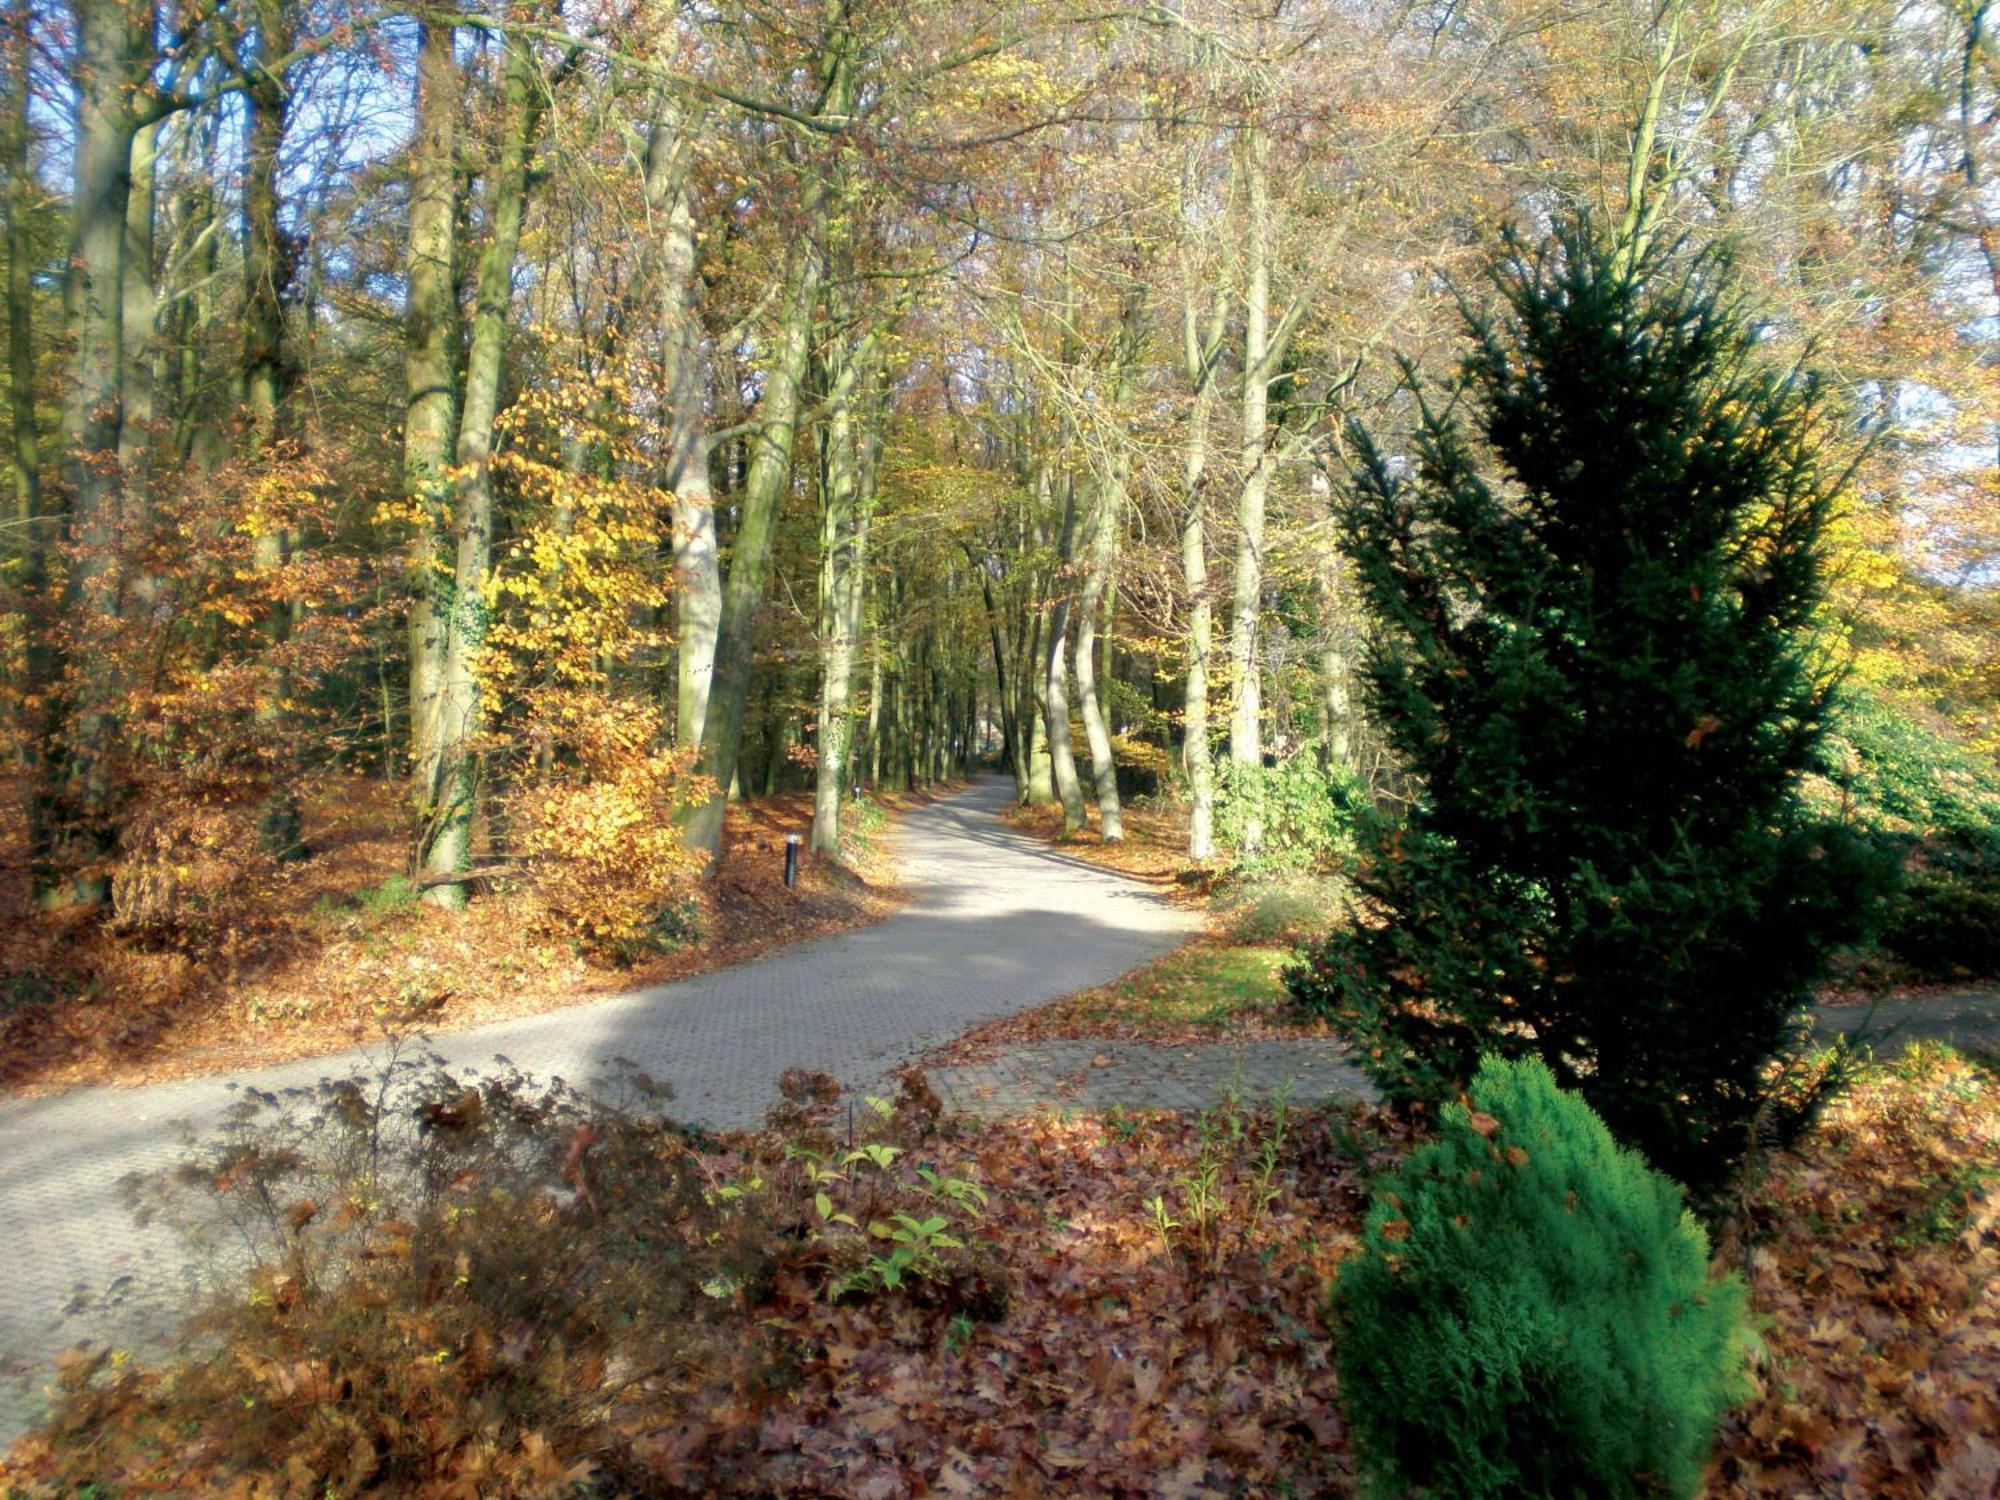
(999,923)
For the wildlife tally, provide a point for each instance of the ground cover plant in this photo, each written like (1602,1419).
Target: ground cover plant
(529,1293)
(1934,806)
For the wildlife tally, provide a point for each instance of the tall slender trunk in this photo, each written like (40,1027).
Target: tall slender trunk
(24,450)
(1034,687)
(446,849)
(1108,496)
(1336,712)
(684,376)
(431,337)
(1004,698)
(1245,744)
(1335,696)
(1195,750)
(76,820)
(846,499)
(769,476)
(1056,674)
(1201,354)
(193,299)
(875,700)
(138,331)
(764,490)
(266,274)
(1107,502)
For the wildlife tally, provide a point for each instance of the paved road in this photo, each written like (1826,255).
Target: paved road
(1001,923)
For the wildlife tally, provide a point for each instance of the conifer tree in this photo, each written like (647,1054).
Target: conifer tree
(1594,584)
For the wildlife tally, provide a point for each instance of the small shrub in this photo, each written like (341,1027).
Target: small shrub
(1288,909)
(189,859)
(1532,1311)
(393,894)
(1945,921)
(1934,807)
(1307,812)
(596,831)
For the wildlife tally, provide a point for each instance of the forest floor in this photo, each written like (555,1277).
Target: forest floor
(1140,1306)
(336,950)
(1141,1309)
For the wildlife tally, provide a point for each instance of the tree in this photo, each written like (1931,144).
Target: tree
(1594,584)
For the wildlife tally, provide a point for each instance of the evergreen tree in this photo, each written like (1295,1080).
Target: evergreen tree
(1594,589)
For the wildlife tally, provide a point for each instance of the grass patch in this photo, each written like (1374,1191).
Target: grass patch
(1209,991)
(1206,987)
(1283,910)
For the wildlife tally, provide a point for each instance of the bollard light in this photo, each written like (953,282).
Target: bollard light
(792,842)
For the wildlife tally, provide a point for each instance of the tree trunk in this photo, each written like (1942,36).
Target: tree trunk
(769,477)
(875,707)
(25,449)
(266,273)
(1097,577)
(1337,718)
(1108,500)
(845,501)
(139,320)
(764,490)
(78,812)
(193,299)
(431,337)
(1200,356)
(1056,675)
(1245,745)
(684,376)
(447,846)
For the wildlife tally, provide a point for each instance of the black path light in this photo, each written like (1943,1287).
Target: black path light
(792,842)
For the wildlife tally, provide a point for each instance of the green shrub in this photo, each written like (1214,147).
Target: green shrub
(1595,580)
(1934,806)
(1282,908)
(1901,776)
(391,894)
(1945,921)
(1532,1312)
(1306,810)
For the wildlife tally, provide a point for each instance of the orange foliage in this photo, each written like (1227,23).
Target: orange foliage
(596,831)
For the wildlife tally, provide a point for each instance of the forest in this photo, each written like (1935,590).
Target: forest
(1493,504)
(570,413)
